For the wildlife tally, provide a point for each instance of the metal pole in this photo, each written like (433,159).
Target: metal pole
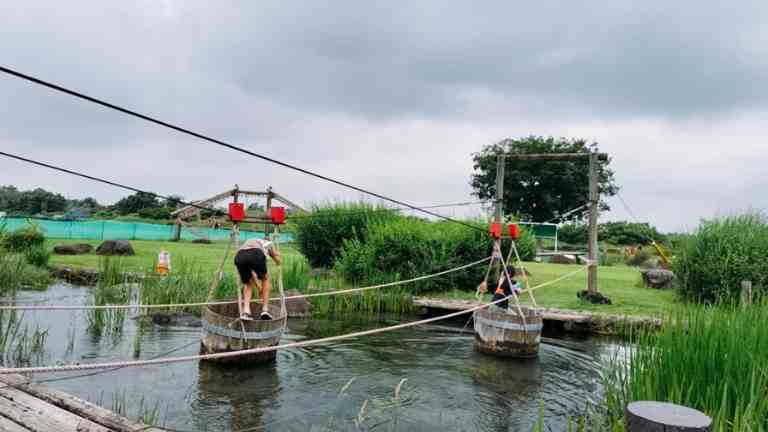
(499,210)
(594,201)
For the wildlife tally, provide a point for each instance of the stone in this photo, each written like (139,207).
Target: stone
(73,249)
(115,247)
(596,298)
(563,259)
(77,276)
(298,307)
(657,278)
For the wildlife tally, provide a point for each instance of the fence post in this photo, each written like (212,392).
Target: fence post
(746,293)
(134,232)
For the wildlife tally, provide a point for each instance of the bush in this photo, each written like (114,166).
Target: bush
(321,235)
(23,239)
(17,273)
(572,233)
(37,256)
(627,233)
(711,264)
(159,213)
(641,257)
(407,248)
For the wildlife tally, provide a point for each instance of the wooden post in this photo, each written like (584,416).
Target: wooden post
(594,202)
(499,209)
(746,293)
(267,227)
(645,416)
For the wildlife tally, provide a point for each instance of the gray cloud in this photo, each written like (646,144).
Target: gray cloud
(391,97)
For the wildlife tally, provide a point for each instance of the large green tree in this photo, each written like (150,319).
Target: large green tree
(136,202)
(541,190)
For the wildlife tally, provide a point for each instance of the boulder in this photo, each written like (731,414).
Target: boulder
(298,307)
(563,259)
(77,276)
(201,241)
(115,247)
(657,278)
(596,298)
(73,249)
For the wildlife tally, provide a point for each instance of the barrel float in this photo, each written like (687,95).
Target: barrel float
(223,331)
(503,332)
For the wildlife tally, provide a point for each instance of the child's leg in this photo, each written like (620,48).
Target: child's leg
(248,294)
(265,293)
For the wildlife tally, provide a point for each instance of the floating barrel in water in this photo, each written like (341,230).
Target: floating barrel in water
(504,333)
(223,331)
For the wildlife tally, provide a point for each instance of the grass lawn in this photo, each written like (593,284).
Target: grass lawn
(621,284)
(207,256)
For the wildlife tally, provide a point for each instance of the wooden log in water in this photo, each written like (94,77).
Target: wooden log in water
(223,331)
(649,416)
(506,333)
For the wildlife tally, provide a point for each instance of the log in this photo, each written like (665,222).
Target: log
(649,416)
(76,405)
(39,416)
(10,426)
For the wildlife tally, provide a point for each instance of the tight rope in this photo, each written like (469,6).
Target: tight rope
(207,303)
(66,368)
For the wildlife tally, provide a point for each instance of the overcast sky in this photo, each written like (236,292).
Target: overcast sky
(391,97)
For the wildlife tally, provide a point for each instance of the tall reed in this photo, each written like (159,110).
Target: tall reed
(714,359)
(112,288)
(18,345)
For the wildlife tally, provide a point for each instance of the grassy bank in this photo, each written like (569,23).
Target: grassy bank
(621,284)
(206,257)
(714,359)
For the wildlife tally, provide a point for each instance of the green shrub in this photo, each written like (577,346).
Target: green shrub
(407,248)
(17,273)
(640,258)
(23,239)
(572,233)
(628,233)
(38,256)
(321,235)
(721,253)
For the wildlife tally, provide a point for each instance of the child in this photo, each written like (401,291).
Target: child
(251,263)
(504,289)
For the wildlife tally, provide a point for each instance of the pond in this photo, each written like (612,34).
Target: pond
(348,385)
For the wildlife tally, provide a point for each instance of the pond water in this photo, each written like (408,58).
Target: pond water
(348,385)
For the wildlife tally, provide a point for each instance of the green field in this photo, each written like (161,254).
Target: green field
(620,283)
(207,256)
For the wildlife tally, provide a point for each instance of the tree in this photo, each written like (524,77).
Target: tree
(174,202)
(136,202)
(540,190)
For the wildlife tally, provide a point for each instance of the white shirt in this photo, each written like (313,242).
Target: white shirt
(256,243)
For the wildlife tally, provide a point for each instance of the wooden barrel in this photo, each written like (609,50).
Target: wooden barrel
(504,333)
(223,331)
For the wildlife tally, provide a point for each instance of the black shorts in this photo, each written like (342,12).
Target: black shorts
(251,260)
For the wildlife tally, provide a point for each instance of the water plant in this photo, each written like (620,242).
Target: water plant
(110,289)
(17,273)
(714,359)
(17,344)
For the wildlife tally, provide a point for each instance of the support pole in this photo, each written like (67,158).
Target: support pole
(267,227)
(594,202)
(499,210)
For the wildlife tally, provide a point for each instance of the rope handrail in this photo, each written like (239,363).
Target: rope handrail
(212,303)
(168,360)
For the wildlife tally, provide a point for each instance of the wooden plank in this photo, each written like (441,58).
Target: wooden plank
(77,406)
(11,426)
(40,416)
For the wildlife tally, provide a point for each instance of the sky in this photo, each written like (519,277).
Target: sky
(394,97)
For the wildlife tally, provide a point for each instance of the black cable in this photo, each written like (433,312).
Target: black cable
(221,143)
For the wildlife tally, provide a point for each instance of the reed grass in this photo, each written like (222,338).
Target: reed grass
(16,273)
(110,289)
(19,345)
(714,359)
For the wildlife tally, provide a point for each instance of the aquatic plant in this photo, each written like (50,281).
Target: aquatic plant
(110,289)
(17,344)
(17,273)
(714,359)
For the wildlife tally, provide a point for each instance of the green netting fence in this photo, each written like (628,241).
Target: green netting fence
(113,230)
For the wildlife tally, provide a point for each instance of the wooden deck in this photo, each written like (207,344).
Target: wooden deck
(554,319)
(26,407)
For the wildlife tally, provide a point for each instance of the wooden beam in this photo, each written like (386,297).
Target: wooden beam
(285,201)
(573,157)
(191,210)
(40,416)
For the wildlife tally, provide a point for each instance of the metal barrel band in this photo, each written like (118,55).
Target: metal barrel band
(508,325)
(237,334)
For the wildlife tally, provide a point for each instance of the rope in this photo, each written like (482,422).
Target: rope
(525,275)
(44,369)
(298,296)
(220,273)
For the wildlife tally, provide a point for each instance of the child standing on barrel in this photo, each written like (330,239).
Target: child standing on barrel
(251,263)
(504,289)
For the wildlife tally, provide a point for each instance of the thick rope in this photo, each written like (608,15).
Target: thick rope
(220,272)
(44,369)
(525,275)
(298,296)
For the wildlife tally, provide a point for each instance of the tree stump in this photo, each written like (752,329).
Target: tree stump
(648,416)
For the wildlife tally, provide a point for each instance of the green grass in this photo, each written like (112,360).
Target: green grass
(621,284)
(206,257)
(714,359)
